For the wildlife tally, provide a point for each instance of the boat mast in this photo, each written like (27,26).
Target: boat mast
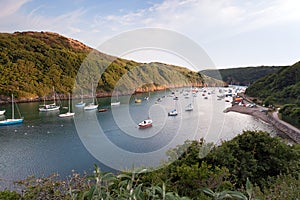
(69,103)
(54,95)
(12,107)
(93,94)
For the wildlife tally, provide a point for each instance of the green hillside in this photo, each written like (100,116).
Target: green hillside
(242,76)
(281,88)
(31,63)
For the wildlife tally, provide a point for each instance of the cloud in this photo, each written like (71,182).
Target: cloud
(205,21)
(69,23)
(9,7)
(204,18)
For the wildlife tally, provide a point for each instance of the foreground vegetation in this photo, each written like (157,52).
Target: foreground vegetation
(251,166)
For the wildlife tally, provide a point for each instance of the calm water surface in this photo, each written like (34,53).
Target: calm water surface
(45,143)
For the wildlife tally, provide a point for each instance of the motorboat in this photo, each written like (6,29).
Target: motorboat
(145,123)
(173,113)
(138,100)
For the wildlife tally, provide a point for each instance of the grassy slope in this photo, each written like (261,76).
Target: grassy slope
(32,62)
(282,87)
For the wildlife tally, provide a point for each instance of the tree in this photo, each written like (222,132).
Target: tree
(257,156)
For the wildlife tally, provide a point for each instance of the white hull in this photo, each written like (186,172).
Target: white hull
(115,103)
(80,104)
(45,109)
(146,123)
(2,112)
(173,113)
(68,114)
(91,107)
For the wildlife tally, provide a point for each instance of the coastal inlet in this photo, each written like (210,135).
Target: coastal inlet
(45,143)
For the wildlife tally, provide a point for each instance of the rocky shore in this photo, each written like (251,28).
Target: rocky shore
(269,117)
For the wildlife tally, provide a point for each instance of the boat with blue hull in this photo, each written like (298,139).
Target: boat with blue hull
(12,121)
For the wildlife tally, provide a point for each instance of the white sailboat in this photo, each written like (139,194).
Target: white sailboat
(117,102)
(12,121)
(189,107)
(91,106)
(81,103)
(69,113)
(148,97)
(49,107)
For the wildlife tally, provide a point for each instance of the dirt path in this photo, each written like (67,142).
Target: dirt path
(275,116)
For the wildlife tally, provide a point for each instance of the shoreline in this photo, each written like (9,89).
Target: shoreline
(100,94)
(268,117)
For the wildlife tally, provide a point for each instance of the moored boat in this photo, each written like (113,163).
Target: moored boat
(145,123)
(138,100)
(49,107)
(189,107)
(12,121)
(91,106)
(173,113)
(69,113)
(102,110)
(80,104)
(115,103)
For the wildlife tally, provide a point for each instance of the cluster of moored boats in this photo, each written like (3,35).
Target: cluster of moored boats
(94,106)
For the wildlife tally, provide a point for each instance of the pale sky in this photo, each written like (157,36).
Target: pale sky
(233,33)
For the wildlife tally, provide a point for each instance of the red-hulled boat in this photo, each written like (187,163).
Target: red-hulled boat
(146,123)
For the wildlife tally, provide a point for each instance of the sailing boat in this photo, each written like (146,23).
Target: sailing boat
(2,112)
(81,103)
(12,121)
(147,98)
(49,107)
(189,107)
(69,113)
(91,106)
(173,112)
(116,103)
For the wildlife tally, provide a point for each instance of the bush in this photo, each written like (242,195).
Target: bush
(9,195)
(257,156)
